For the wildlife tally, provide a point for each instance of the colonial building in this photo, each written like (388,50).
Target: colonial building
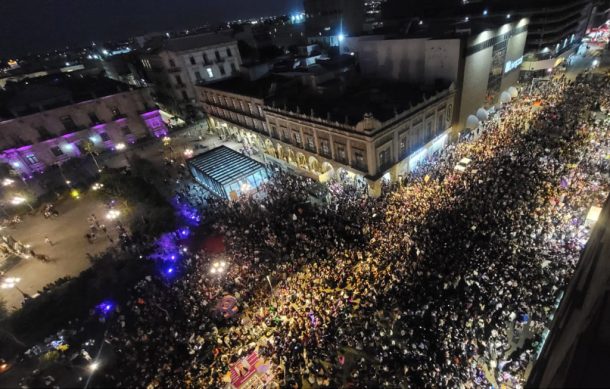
(176,65)
(366,130)
(47,121)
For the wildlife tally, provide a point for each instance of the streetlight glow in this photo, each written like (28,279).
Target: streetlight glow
(113,214)
(94,366)
(17,200)
(120,146)
(7,182)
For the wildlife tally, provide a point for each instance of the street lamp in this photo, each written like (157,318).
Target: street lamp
(120,146)
(113,214)
(18,200)
(7,182)
(188,153)
(218,267)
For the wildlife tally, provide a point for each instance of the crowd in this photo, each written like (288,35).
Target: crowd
(448,279)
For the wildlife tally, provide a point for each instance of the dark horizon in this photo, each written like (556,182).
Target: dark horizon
(31,26)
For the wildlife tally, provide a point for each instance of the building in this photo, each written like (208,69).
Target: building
(575,351)
(333,17)
(555,31)
(176,65)
(368,130)
(126,68)
(227,173)
(483,63)
(48,120)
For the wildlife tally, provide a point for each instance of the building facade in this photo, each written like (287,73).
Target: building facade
(177,65)
(483,65)
(39,135)
(370,150)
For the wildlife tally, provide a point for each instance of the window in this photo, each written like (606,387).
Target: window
(217,54)
(184,95)
(205,59)
(93,117)
(341,152)
(403,144)
(325,149)
(126,131)
(210,72)
(229,54)
(233,67)
(172,63)
(56,151)
(222,70)
(179,80)
(116,112)
(297,138)
(68,123)
(359,155)
(384,157)
(192,59)
(310,143)
(198,76)
(32,159)
(104,136)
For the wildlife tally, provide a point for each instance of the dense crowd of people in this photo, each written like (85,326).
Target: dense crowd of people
(449,278)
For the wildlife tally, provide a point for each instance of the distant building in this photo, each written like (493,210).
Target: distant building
(484,64)
(49,120)
(176,65)
(126,68)
(556,27)
(327,124)
(333,17)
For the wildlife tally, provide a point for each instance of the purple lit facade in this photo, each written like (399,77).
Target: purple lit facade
(43,139)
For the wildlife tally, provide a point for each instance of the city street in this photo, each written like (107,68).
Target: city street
(68,252)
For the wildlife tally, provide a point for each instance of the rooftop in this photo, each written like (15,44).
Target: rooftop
(225,165)
(189,42)
(347,103)
(261,88)
(53,91)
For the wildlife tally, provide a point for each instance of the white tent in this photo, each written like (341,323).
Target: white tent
(472,122)
(505,97)
(482,114)
(513,91)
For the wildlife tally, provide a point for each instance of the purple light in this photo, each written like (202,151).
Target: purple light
(105,307)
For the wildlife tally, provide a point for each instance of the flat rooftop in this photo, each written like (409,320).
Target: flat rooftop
(347,103)
(261,88)
(58,90)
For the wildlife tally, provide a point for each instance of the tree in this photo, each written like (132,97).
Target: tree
(89,148)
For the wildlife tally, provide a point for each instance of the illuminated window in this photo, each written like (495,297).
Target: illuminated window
(32,159)
(210,72)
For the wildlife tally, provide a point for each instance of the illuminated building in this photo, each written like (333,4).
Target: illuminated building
(176,65)
(320,126)
(49,120)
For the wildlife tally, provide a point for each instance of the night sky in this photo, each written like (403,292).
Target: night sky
(35,25)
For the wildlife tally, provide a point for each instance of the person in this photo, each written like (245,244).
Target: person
(48,241)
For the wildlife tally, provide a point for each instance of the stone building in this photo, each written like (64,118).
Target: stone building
(47,121)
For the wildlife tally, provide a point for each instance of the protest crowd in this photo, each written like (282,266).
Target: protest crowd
(448,279)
